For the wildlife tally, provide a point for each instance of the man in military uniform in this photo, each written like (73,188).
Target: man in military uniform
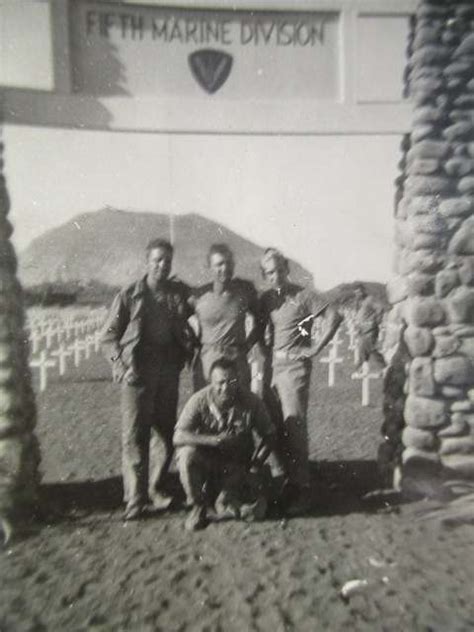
(225,310)
(367,324)
(287,312)
(146,338)
(215,445)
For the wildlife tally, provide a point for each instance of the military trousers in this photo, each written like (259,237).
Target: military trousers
(290,386)
(199,466)
(148,419)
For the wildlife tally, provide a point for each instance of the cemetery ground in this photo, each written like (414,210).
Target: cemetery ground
(83,568)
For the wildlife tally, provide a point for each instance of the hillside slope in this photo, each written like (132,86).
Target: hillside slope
(108,246)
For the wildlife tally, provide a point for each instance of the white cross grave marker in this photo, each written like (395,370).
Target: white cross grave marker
(69,328)
(90,344)
(77,347)
(62,353)
(365,376)
(43,364)
(336,341)
(61,333)
(352,337)
(35,338)
(97,338)
(49,335)
(331,360)
(356,354)
(44,325)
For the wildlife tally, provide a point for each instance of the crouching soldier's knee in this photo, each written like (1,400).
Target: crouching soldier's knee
(187,455)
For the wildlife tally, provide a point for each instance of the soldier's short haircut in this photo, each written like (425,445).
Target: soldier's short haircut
(273,254)
(220,249)
(164,244)
(226,364)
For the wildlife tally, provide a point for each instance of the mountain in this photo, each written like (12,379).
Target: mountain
(108,246)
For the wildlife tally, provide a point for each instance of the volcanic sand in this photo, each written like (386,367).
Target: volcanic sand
(83,568)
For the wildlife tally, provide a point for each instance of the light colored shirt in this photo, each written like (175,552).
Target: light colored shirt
(290,316)
(201,415)
(222,317)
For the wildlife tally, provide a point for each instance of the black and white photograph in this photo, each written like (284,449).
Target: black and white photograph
(236,315)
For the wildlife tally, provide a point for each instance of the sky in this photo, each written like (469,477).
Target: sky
(326,201)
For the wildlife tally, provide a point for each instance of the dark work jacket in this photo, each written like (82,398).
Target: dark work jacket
(123,329)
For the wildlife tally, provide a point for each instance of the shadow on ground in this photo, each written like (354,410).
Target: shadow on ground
(93,496)
(338,488)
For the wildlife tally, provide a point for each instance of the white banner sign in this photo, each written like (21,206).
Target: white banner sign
(129,50)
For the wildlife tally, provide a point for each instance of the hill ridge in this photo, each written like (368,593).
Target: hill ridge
(107,245)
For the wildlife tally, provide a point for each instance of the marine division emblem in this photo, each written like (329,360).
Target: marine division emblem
(210,68)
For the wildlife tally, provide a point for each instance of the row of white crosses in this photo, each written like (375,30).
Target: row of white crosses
(333,359)
(60,327)
(350,323)
(353,346)
(49,328)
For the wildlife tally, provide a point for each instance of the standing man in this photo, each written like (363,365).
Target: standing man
(287,312)
(214,438)
(226,315)
(146,338)
(368,317)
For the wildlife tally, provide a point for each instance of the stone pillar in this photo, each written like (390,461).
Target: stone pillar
(19,450)
(432,292)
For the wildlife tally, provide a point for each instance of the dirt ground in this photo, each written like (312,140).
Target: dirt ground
(85,569)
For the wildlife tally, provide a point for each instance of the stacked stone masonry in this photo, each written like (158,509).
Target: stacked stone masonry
(432,292)
(19,450)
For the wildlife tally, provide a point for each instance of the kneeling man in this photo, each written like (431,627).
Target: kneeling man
(215,439)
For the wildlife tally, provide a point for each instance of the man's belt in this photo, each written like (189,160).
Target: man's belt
(218,346)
